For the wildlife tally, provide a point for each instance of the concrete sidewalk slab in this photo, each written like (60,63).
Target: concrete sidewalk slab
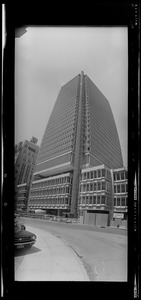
(49,260)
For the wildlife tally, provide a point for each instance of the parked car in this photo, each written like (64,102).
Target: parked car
(22,237)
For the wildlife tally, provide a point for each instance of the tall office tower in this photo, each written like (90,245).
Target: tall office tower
(81,133)
(25,159)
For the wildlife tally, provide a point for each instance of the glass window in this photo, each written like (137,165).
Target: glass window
(83,200)
(103,199)
(99,185)
(91,186)
(95,174)
(115,202)
(122,176)
(114,177)
(123,188)
(103,172)
(99,173)
(118,176)
(118,188)
(98,199)
(88,175)
(88,187)
(103,185)
(90,200)
(66,201)
(115,189)
(84,187)
(91,174)
(95,186)
(123,201)
(87,200)
(94,199)
(118,201)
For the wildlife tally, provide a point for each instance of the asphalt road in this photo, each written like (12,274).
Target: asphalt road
(103,251)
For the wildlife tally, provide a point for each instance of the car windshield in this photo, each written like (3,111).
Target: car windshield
(17,227)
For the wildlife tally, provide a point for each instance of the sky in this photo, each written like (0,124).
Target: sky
(46,58)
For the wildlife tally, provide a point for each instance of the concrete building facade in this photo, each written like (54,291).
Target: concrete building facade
(80,137)
(25,159)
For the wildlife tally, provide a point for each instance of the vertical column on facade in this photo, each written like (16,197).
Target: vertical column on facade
(78,152)
(111,206)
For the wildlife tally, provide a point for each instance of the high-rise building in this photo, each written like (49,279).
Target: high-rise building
(25,159)
(81,133)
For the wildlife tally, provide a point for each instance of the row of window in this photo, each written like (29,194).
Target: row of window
(95,200)
(95,186)
(52,182)
(25,172)
(101,124)
(65,124)
(96,174)
(121,188)
(121,201)
(61,150)
(21,199)
(120,176)
(24,194)
(100,133)
(22,190)
(59,144)
(20,203)
(31,152)
(54,191)
(55,136)
(53,201)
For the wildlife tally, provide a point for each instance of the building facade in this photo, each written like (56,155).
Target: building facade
(81,135)
(96,195)
(103,196)
(25,159)
(120,216)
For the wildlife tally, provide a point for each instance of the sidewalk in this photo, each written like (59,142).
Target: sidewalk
(48,260)
(120,227)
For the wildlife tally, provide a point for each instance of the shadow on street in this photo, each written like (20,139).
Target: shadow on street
(24,251)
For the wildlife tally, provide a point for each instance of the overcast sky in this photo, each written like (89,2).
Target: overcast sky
(48,57)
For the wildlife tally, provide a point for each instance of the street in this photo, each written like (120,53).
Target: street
(102,251)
